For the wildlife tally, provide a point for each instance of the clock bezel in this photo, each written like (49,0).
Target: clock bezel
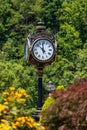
(43,61)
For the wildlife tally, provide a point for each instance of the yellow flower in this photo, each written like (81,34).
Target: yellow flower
(22,100)
(6,93)
(25,121)
(14,126)
(6,103)
(10,98)
(4,126)
(17,95)
(23,92)
(12,93)
(30,122)
(3,120)
(11,88)
(2,107)
(17,123)
(21,119)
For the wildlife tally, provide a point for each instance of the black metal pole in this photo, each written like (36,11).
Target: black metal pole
(40,95)
(39,92)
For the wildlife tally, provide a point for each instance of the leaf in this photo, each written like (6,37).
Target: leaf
(14,111)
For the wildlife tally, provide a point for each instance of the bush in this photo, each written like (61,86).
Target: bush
(60,87)
(46,104)
(13,111)
(69,109)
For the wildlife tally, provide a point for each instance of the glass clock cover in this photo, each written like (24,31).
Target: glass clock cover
(43,50)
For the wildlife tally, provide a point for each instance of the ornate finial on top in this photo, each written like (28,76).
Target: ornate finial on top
(40,26)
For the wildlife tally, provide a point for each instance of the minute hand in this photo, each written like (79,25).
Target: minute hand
(42,48)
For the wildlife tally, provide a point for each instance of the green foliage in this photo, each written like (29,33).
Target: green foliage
(61,87)
(81,63)
(12,51)
(14,113)
(68,39)
(61,72)
(74,13)
(16,19)
(47,103)
(13,74)
(67,20)
(49,13)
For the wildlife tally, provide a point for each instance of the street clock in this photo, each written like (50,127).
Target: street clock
(43,50)
(40,48)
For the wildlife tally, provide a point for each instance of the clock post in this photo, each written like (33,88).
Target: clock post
(40,94)
(40,50)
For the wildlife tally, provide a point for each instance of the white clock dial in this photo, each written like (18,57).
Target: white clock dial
(43,50)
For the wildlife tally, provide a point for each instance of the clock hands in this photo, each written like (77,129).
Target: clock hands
(42,48)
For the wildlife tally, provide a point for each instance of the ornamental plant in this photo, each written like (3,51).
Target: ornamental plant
(69,111)
(46,104)
(61,87)
(13,111)
(49,101)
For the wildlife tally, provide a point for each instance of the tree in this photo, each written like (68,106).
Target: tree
(74,13)
(68,41)
(81,63)
(16,19)
(49,13)
(67,19)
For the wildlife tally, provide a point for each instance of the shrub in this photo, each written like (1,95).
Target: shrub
(13,111)
(47,103)
(69,109)
(60,87)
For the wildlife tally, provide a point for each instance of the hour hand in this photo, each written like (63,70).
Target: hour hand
(42,48)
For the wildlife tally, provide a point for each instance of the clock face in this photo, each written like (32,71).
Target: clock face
(43,50)
(26,50)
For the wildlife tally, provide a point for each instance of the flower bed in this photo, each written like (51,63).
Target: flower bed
(13,111)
